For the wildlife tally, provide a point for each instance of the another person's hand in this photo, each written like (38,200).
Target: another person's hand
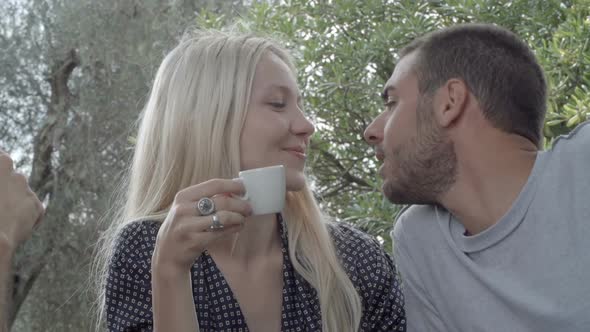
(185,233)
(20,209)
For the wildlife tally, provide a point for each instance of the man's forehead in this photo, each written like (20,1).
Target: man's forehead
(402,70)
(404,67)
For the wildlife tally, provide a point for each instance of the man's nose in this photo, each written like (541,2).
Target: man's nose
(374,133)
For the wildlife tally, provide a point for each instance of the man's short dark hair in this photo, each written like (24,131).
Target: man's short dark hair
(497,67)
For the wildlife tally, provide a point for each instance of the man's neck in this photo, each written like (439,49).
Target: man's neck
(488,185)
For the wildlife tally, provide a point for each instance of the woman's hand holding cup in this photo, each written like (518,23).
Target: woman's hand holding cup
(193,223)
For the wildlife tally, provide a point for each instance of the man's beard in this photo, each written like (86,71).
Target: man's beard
(425,167)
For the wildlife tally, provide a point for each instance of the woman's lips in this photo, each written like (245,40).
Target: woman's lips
(298,152)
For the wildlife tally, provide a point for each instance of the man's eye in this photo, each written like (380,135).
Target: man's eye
(390,104)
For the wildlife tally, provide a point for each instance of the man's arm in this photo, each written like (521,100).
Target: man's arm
(20,211)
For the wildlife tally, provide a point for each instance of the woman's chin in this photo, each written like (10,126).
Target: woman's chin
(295,182)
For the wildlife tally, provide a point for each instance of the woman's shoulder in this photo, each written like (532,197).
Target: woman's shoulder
(138,232)
(354,241)
(138,229)
(135,241)
(373,272)
(359,248)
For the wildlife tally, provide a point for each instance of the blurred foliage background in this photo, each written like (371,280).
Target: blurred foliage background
(74,76)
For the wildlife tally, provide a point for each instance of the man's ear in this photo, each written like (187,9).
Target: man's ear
(450,101)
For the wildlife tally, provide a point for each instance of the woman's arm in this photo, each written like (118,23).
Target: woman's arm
(182,238)
(172,300)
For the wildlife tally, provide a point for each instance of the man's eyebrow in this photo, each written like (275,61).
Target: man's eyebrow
(385,93)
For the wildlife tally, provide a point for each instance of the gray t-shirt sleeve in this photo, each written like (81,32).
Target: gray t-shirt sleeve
(421,315)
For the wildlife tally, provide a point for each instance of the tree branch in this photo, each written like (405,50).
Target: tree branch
(51,131)
(346,175)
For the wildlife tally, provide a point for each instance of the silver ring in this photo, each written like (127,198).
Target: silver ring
(206,206)
(216,224)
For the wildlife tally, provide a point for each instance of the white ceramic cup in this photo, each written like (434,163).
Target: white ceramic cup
(265,189)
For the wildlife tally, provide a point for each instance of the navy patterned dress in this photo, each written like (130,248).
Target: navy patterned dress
(129,295)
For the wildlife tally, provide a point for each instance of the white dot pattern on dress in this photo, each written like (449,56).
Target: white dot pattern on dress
(372,271)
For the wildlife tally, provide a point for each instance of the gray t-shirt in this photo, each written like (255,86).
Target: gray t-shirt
(528,272)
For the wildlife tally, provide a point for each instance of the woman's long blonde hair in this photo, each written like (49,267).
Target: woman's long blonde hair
(189,132)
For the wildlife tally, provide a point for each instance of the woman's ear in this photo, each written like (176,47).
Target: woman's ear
(450,101)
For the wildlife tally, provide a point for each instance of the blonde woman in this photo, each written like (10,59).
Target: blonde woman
(221,103)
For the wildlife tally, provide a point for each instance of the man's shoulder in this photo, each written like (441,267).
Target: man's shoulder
(578,140)
(568,158)
(416,220)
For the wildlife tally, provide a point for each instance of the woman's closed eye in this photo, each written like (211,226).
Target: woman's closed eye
(277,104)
